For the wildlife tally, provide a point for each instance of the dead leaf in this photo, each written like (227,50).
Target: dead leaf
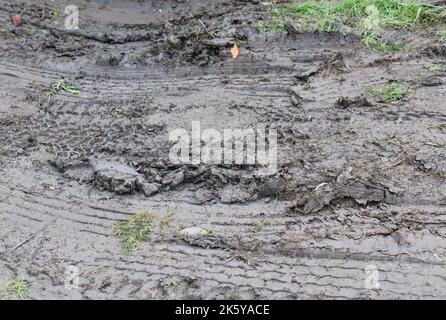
(17,20)
(168,24)
(235,51)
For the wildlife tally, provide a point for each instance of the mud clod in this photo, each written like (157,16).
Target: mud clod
(234,194)
(149,189)
(115,177)
(359,102)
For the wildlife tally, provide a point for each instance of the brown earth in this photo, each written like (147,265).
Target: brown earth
(361,184)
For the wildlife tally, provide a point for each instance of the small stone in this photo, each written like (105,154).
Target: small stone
(173,40)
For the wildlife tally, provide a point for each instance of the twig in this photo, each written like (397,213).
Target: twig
(204,26)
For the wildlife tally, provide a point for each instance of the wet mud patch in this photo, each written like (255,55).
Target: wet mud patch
(360,182)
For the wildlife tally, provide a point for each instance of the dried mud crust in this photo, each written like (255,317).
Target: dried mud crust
(360,183)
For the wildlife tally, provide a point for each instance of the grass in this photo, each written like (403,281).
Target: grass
(204,232)
(392,92)
(375,44)
(275,24)
(214,33)
(116,109)
(344,136)
(99,268)
(365,17)
(167,220)
(16,289)
(60,86)
(30,31)
(55,13)
(64,86)
(172,284)
(434,152)
(436,69)
(329,16)
(388,144)
(256,228)
(49,94)
(134,230)
(3,30)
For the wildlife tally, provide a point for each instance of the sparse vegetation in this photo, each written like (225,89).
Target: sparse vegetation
(361,16)
(49,94)
(257,228)
(392,92)
(436,69)
(214,33)
(60,86)
(134,230)
(167,219)
(330,16)
(116,109)
(434,152)
(99,268)
(344,136)
(16,289)
(55,13)
(172,284)
(64,86)
(204,232)
(394,142)
(31,31)
(375,44)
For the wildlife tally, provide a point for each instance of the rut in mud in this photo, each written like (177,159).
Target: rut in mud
(360,187)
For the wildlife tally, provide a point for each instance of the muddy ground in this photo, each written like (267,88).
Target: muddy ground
(356,210)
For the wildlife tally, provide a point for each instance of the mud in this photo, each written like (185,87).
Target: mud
(360,184)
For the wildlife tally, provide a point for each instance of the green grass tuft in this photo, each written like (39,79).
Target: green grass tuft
(60,86)
(436,69)
(434,152)
(63,86)
(375,44)
(256,229)
(16,289)
(320,16)
(344,136)
(116,109)
(49,94)
(134,230)
(391,93)
(172,284)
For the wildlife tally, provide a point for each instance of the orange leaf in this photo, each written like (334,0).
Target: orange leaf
(168,24)
(234,51)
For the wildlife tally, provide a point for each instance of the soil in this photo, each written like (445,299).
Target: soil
(361,185)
